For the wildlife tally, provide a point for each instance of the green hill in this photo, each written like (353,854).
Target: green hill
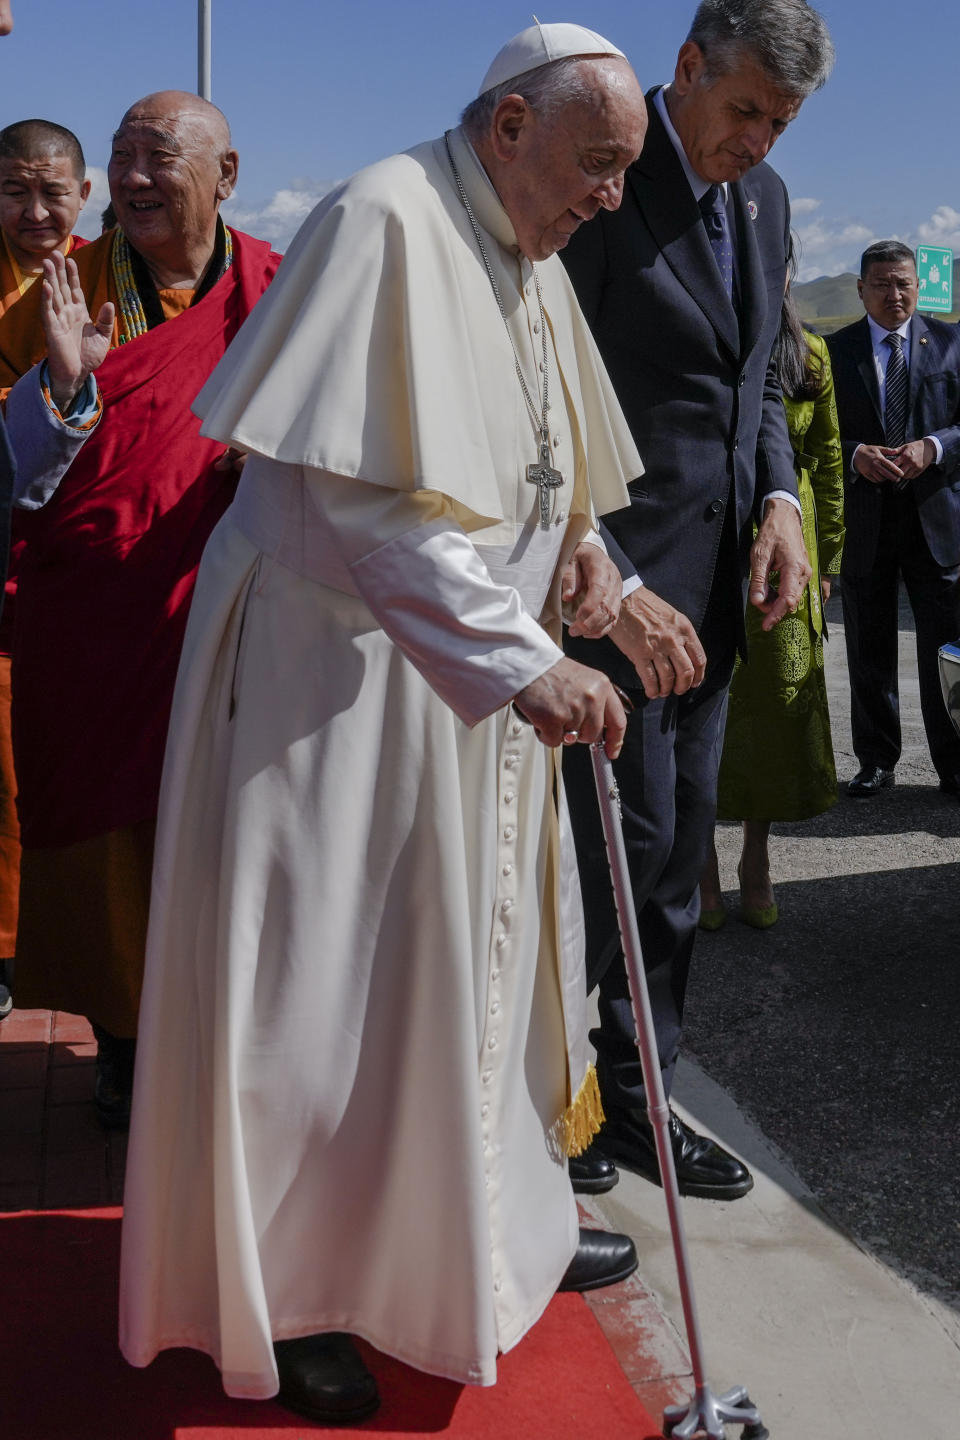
(828,295)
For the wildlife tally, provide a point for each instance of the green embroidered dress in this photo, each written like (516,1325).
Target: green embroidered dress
(777,753)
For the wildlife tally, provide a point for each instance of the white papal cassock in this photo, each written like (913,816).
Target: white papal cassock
(362,1050)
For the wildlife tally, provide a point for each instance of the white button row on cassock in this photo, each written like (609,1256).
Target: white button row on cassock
(510,758)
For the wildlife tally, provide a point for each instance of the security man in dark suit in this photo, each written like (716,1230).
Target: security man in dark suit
(683,289)
(897,378)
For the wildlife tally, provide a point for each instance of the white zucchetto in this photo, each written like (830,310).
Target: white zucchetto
(539,45)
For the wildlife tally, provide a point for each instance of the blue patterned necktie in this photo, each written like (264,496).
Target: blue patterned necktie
(895,400)
(714,211)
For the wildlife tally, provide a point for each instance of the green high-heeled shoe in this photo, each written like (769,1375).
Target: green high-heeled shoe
(761,917)
(713,919)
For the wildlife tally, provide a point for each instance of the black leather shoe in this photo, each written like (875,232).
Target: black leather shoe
(602,1258)
(704,1168)
(870,781)
(592,1173)
(113,1079)
(323,1378)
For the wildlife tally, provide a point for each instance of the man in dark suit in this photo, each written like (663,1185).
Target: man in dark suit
(683,290)
(897,377)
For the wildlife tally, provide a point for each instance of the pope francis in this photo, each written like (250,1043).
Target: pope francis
(362,1058)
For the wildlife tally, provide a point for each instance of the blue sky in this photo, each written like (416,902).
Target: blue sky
(315,89)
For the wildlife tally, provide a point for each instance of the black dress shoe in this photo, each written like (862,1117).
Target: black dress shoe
(592,1173)
(323,1378)
(113,1078)
(602,1258)
(870,781)
(703,1167)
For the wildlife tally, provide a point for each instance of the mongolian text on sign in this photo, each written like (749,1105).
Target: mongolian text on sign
(935,273)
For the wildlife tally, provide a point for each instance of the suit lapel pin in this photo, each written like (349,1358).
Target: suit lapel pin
(752,209)
(923,339)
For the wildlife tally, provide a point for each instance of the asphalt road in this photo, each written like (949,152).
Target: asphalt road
(838,1031)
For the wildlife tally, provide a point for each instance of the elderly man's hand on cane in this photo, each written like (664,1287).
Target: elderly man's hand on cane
(572,704)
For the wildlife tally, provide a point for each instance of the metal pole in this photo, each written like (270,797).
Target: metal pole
(203,48)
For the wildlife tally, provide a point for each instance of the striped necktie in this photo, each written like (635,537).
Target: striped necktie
(895,405)
(713,209)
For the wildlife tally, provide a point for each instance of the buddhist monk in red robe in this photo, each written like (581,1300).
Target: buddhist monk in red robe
(109,569)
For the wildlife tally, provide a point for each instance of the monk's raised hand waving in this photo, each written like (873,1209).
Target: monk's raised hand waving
(76,345)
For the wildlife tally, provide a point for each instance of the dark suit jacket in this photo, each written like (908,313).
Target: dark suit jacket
(704,408)
(933,409)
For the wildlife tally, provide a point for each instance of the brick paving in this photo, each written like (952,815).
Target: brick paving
(53,1153)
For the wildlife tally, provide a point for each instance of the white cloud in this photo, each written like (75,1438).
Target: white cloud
(829,247)
(89,225)
(943,228)
(832,247)
(279,218)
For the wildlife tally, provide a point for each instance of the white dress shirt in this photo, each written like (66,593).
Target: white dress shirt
(881,360)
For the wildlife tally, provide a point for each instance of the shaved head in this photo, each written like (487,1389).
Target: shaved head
(39,140)
(181,105)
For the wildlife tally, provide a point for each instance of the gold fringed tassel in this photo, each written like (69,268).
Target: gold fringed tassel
(582,1119)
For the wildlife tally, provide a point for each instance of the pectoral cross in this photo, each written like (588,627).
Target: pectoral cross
(546,479)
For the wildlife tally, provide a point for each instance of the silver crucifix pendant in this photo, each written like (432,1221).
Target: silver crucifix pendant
(546,479)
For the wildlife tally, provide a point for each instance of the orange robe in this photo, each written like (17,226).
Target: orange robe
(13,286)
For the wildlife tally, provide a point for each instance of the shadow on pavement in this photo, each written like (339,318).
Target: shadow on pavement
(901,809)
(838,1032)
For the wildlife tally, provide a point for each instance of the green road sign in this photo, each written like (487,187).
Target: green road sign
(935,273)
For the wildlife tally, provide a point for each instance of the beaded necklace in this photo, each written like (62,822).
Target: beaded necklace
(132,316)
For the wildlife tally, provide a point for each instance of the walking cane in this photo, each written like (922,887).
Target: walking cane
(707,1414)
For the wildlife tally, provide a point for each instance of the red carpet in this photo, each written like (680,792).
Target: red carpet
(62,1376)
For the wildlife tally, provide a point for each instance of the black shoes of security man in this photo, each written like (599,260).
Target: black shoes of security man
(869,781)
(703,1167)
(323,1378)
